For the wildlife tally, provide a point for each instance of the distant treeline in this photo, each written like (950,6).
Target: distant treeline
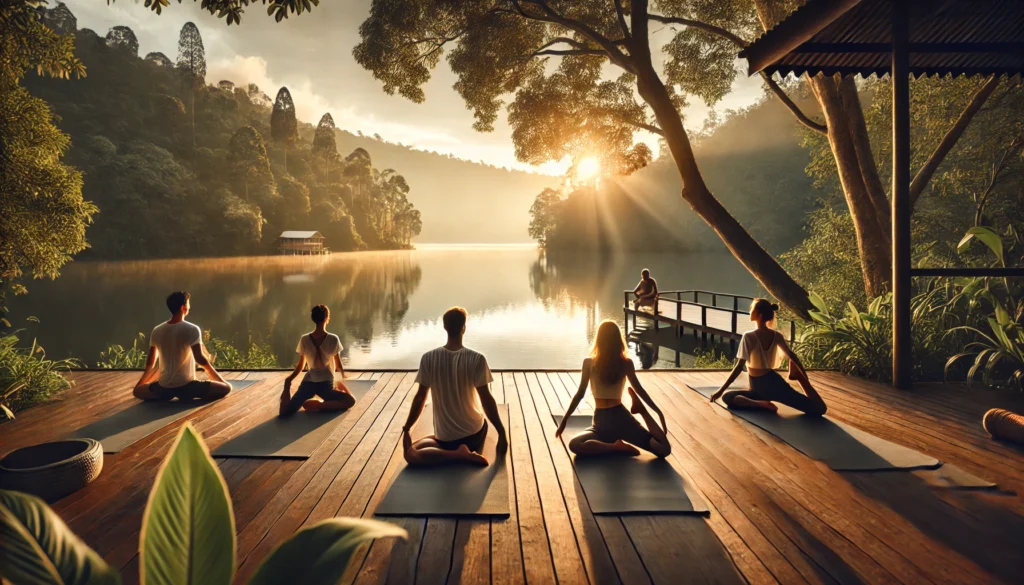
(753,162)
(180,167)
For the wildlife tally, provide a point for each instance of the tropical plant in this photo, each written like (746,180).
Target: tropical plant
(712,359)
(187,536)
(27,376)
(118,357)
(253,356)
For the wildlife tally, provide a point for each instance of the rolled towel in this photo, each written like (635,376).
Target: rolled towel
(1003,424)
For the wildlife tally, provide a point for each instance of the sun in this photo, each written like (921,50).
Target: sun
(588,168)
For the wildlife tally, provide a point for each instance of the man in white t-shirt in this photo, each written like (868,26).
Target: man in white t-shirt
(178,346)
(457,379)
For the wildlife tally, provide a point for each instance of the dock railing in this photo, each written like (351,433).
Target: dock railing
(705,312)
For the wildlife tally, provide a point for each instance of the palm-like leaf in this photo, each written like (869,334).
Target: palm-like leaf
(188,530)
(37,548)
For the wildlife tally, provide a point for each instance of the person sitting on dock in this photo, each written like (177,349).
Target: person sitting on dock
(178,346)
(457,379)
(646,291)
(762,350)
(615,431)
(322,352)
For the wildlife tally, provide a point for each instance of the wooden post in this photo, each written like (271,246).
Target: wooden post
(625,311)
(679,325)
(704,325)
(901,282)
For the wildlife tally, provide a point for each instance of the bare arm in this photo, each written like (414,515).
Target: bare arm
(491,410)
(638,285)
(416,409)
(580,393)
(150,372)
(634,381)
(654,289)
(338,365)
(204,362)
(793,360)
(735,373)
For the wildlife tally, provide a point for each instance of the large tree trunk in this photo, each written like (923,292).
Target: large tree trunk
(745,248)
(859,178)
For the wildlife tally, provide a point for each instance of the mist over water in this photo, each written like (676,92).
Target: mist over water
(525,310)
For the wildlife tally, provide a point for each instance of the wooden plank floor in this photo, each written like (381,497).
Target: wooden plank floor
(776,516)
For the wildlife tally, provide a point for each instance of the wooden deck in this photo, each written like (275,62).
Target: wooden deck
(777,516)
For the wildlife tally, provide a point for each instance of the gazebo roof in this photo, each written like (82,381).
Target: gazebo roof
(851,37)
(298,235)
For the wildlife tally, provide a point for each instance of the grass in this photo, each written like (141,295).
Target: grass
(27,376)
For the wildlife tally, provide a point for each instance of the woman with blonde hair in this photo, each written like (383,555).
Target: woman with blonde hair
(762,350)
(614,429)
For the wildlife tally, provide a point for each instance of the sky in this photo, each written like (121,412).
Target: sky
(311,54)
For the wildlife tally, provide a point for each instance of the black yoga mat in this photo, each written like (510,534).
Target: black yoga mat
(840,446)
(295,437)
(451,490)
(631,485)
(119,430)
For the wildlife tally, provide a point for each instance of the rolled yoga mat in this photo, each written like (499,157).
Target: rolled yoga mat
(1003,424)
(619,484)
(119,430)
(450,490)
(295,437)
(838,445)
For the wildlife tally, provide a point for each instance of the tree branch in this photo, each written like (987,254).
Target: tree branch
(742,44)
(550,15)
(950,139)
(620,13)
(564,52)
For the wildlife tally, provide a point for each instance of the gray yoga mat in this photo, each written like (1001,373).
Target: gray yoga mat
(295,437)
(451,490)
(838,445)
(631,485)
(119,430)
(954,478)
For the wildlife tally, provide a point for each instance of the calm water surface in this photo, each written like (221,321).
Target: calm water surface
(526,311)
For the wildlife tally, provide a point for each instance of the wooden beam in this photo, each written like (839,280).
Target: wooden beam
(901,210)
(793,31)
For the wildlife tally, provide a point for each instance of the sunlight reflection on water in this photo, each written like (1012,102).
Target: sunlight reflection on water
(525,311)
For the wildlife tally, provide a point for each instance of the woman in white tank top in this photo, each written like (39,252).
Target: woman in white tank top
(762,350)
(614,429)
(322,352)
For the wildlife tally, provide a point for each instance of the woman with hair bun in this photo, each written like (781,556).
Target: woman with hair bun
(762,350)
(321,351)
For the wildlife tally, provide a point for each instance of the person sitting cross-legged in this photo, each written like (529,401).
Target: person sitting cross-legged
(322,352)
(457,379)
(646,291)
(177,346)
(614,430)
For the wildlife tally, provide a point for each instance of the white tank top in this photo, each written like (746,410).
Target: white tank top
(605,391)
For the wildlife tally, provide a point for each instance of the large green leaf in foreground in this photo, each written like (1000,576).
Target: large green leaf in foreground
(319,555)
(37,548)
(188,531)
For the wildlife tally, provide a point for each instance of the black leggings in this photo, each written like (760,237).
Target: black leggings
(773,387)
(307,390)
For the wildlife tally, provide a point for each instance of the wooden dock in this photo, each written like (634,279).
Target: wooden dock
(776,516)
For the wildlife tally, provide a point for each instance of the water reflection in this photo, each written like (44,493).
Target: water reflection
(526,310)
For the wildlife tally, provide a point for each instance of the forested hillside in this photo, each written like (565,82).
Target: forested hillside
(753,162)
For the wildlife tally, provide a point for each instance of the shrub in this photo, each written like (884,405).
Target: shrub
(187,535)
(712,359)
(117,357)
(254,356)
(27,377)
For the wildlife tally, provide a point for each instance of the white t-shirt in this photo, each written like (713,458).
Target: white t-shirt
(330,347)
(453,377)
(757,356)
(173,343)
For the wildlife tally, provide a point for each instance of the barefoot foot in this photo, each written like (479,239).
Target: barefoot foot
(626,449)
(313,405)
(744,402)
(470,457)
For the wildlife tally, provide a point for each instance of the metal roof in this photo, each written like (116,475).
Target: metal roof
(850,37)
(294,235)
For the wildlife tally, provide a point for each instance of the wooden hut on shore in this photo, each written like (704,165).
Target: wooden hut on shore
(301,243)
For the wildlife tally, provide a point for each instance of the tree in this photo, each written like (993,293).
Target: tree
(325,146)
(191,65)
(158,58)
(42,213)
(283,125)
(122,37)
(544,215)
(60,19)
(247,157)
(231,10)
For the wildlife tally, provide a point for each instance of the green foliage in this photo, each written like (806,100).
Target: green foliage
(187,535)
(827,261)
(232,10)
(253,356)
(27,376)
(712,359)
(39,549)
(544,215)
(118,357)
(165,193)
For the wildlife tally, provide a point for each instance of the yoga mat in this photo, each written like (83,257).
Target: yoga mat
(119,430)
(450,490)
(954,478)
(295,437)
(838,445)
(631,485)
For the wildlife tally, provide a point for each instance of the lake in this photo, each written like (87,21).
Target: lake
(525,310)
